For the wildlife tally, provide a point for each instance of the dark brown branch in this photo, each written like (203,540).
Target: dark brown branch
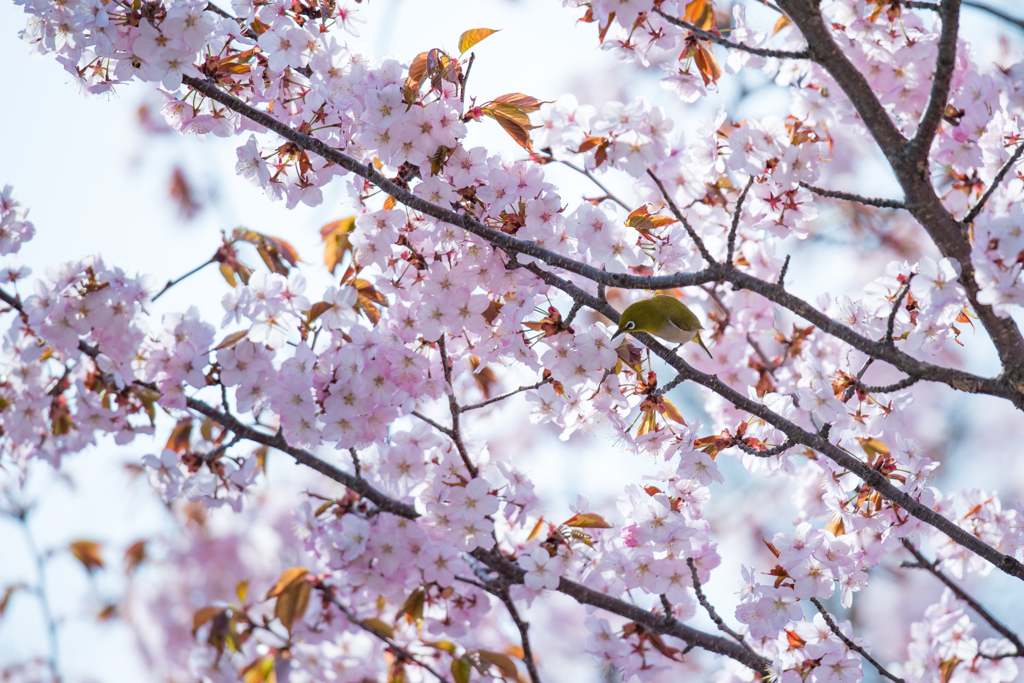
(949,13)
(1006,388)
(682,219)
(465,409)
(1019,23)
(654,622)
(722,626)
(932,568)
(763,52)
(455,409)
(818,442)
(590,176)
(304,457)
(781,282)
(768,452)
(355,463)
(383,637)
(852,645)
(891,322)
(531,665)
(867,201)
(736,213)
(465,76)
(171,283)
(911,172)
(976,209)
(888,388)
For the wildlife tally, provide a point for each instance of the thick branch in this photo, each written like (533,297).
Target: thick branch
(912,171)
(654,622)
(713,273)
(949,13)
(818,442)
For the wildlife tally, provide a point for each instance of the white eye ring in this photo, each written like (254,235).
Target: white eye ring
(630,325)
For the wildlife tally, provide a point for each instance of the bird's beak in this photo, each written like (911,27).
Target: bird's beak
(618,332)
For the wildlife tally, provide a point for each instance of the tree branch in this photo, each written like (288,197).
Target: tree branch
(818,442)
(455,409)
(1007,387)
(850,644)
(711,610)
(531,666)
(656,623)
(736,213)
(867,201)
(949,14)
(682,219)
(383,637)
(976,209)
(932,568)
(475,406)
(719,40)
(920,198)
(996,13)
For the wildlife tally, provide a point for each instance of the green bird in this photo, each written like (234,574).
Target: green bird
(665,317)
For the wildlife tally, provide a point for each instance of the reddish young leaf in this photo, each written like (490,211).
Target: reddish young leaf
(88,553)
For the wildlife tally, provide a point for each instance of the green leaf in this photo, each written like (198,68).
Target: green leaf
(461,668)
(474,36)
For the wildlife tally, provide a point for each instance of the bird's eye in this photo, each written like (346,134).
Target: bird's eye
(630,325)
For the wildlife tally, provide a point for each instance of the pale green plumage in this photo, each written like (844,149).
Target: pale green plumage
(663,316)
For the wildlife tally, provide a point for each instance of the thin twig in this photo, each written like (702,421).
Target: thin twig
(782,273)
(682,219)
(40,590)
(1019,23)
(722,626)
(779,54)
(891,322)
(850,644)
(455,409)
(387,640)
(853,387)
(523,627)
(737,212)
(355,463)
(973,213)
(932,568)
(439,427)
(171,283)
(576,306)
(465,76)
(466,409)
(590,176)
(867,201)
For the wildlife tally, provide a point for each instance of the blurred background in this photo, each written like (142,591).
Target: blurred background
(104,175)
